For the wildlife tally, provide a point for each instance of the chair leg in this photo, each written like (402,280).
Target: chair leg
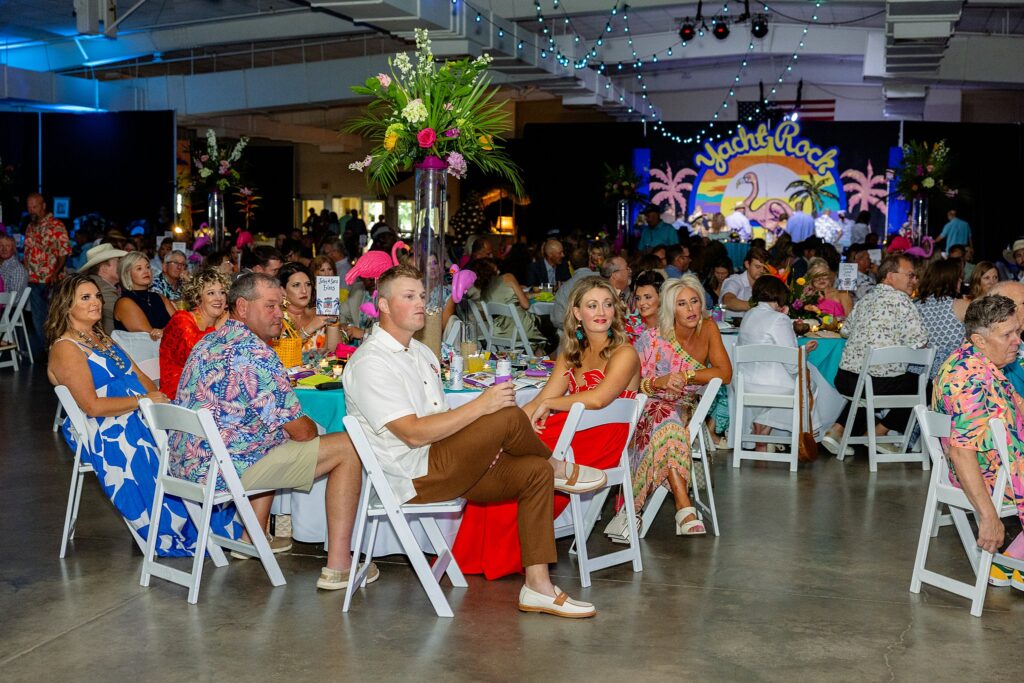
(737,439)
(924,538)
(711,497)
(443,550)
(981,585)
(258,538)
(57,417)
(581,539)
(71,515)
(358,532)
(627,500)
(200,515)
(149,557)
(419,564)
(872,442)
(650,511)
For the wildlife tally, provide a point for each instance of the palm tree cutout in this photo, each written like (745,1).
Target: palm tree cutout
(865,190)
(812,191)
(670,187)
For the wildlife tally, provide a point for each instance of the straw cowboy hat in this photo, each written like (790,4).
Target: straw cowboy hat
(1015,247)
(99,254)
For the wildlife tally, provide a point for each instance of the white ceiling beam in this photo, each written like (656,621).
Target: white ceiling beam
(21,88)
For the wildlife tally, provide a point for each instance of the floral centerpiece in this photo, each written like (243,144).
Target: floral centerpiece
(247,202)
(425,110)
(923,170)
(621,183)
(804,304)
(217,166)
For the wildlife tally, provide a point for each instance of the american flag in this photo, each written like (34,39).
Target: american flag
(810,110)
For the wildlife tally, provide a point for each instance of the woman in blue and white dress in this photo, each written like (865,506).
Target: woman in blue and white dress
(107,386)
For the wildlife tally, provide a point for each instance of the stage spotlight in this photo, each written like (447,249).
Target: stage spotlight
(687,31)
(759,26)
(721,29)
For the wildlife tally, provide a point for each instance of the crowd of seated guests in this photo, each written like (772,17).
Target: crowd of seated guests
(617,335)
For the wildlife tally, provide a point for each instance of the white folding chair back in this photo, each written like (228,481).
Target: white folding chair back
(765,353)
(620,411)
(200,499)
(517,338)
(79,470)
(151,369)
(453,331)
(138,345)
(699,455)
(941,492)
(482,325)
(864,397)
(377,501)
(8,342)
(17,324)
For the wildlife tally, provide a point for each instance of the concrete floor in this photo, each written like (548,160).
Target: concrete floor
(808,581)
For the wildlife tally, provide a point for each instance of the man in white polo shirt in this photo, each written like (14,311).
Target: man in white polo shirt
(736,289)
(484,451)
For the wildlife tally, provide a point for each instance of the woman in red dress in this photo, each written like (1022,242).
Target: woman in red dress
(206,295)
(596,366)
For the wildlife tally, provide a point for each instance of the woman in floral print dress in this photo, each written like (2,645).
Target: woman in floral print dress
(676,359)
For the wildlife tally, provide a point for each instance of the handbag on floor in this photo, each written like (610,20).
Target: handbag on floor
(808,451)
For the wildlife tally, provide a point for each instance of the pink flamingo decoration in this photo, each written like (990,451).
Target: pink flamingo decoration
(371,266)
(769,212)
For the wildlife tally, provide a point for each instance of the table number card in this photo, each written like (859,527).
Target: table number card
(847,276)
(328,301)
(875,255)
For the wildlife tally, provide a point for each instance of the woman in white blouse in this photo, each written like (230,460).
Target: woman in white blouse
(768,323)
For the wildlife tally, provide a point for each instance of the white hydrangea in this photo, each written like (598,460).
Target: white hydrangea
(415,111)
(403,63)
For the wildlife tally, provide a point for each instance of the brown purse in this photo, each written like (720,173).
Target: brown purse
(808,451)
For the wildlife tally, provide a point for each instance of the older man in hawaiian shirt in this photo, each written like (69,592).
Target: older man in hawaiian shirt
(233,372)
(971,387)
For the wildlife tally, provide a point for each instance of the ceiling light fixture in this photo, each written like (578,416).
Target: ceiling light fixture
(721,28)
(759,26)
(687,31)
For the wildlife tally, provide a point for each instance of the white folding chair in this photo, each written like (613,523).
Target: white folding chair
(17,323)
(79,470)
(151,369)
(138,345)
(699,449)
(377,501)
(516,338)
(8,343)
(453,331)
(765,353)
(200,500)
(619,411)
(941,492)
(864,397)
(483,326)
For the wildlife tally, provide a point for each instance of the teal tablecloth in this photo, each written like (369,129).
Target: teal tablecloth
(737,252)
(327,408)
(826,357)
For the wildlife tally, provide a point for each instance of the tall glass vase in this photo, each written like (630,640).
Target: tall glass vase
(622,222)
(918,220)
(215,217)
(430,221)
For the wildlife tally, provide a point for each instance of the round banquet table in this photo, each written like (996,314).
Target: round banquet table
(308,509)
(737,253)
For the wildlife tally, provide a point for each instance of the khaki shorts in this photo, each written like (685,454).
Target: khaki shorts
(291,465)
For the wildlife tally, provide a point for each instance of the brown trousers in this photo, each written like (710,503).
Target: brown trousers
(460,466)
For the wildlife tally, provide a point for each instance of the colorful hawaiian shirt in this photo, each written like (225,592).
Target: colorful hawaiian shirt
(885,317)
(971,390)
(45,244)
(162,286)
(239,378)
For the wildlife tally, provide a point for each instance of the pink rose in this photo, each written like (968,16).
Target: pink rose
(384,79)
(426,137)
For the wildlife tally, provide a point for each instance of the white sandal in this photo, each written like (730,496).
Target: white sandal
(689,528)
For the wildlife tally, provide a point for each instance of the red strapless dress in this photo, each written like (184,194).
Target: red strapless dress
(488,538)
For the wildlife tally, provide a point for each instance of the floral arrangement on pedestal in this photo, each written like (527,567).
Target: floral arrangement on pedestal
(923,170)
(621,183)
(422,110)
(217,167)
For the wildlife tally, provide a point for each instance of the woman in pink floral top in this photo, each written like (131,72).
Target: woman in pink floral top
(971,388)
(684,352)
(645,303)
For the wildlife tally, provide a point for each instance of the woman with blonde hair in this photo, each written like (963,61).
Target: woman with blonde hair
(596,366)
(984,276)
(684,353)
(821,281)
(138,309)
(205,294)
(107,386)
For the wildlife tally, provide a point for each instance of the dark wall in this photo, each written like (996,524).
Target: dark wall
(271,170)
(120,165)
(19,148)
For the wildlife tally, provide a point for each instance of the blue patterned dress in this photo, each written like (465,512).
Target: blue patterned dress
(122,452)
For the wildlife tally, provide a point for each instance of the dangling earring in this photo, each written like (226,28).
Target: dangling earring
(610,335)
(579,330)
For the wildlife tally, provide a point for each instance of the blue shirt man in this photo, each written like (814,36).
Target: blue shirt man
(800,226)
(657,232)
(956,231)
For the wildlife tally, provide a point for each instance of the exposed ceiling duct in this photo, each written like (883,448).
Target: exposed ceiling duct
(917,33)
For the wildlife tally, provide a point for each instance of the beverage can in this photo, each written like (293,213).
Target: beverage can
(503,371)
(456,379)
(458,364)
